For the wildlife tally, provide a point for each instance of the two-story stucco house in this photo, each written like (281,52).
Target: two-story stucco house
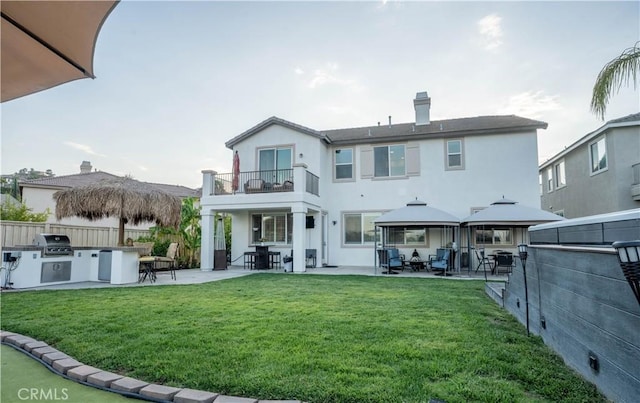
(297,188)
(599,173)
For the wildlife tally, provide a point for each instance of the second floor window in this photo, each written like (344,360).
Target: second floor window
(344,163)
(389,161)
(274,164)
(598,152)
(561,179)
(454,154)
(549,179)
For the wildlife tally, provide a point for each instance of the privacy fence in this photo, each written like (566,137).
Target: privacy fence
(15,233)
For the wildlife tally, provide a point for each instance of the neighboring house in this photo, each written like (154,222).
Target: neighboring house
(300,188)
(600,173)
(37,194)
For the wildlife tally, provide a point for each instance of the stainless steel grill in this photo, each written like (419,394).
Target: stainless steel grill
(53,245)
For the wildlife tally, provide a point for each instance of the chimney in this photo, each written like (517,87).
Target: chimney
(389,120)
(422,105)
(85,167)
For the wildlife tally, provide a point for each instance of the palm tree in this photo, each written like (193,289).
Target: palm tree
(622,69)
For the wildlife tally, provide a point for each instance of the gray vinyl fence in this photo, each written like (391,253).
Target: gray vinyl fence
(14,233)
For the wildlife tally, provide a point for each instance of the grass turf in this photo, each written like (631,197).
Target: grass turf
(313,338)
(25,379)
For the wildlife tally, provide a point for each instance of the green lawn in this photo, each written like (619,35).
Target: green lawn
(313,338)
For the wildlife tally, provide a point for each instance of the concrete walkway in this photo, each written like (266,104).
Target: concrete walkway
(197,276)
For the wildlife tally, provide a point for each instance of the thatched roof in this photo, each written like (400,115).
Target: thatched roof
(124,198)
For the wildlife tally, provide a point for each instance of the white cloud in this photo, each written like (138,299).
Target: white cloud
(490,31)
(531,104)
(84,148)
(330,75)
(299,71)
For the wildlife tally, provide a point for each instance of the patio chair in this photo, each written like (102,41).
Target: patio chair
(254,186)
(163,262)
(484,261)
(441,264)
(390,259)
(437,256)
(504,259)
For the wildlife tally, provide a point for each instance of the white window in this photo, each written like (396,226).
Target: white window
(540,183)
(344,163)
(359,228)
(407,236)
(549,179)
(389,161)
(598,154)
(275,164)
(274,228)
(494,236)
(560,177)
(455,158)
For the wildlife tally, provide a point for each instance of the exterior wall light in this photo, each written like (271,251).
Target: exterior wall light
(522,251)
(629,258)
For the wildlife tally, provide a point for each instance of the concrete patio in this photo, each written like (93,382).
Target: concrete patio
(196,276)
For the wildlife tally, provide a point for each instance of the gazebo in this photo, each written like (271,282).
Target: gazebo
(417,215)
(505,213)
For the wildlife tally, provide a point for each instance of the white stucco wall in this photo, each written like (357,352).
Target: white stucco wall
(495,166)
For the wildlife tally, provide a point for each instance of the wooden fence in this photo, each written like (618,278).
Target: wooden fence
(13,233)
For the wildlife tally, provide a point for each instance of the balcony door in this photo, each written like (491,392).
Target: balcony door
(275,164)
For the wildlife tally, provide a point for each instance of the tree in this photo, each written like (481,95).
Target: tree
(190,229)
(621,70)
(19,212)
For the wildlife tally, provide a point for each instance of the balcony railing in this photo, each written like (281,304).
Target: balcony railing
(312,184)
(277,180)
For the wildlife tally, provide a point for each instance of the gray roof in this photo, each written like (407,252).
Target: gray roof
(436,129)
(508,212)
(629,118)
(419,214)
(273,120)
(404,131)
(83,179)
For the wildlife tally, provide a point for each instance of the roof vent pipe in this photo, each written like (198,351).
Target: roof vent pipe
(389,120)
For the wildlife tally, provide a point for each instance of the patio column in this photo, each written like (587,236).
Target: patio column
(299,178)
(206,245)
(208,177)
(299,245)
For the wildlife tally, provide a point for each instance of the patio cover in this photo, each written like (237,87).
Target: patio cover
(48,43)
(509,212)
(417,213)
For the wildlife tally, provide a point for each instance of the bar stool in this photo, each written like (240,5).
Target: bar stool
(250,260)
(274,260)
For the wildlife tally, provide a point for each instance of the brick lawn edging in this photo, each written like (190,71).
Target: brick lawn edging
(66,366)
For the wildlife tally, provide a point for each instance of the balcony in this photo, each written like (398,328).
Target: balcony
(267,181)
(635,186)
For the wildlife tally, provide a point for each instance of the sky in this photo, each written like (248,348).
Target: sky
(176,80)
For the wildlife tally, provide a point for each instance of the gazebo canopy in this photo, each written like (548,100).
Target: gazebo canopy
(509,212)
(417,213)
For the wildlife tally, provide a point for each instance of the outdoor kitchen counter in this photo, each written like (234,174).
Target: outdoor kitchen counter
(32,268)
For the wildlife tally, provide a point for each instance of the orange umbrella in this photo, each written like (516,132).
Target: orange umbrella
(236,171)
(48,43)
